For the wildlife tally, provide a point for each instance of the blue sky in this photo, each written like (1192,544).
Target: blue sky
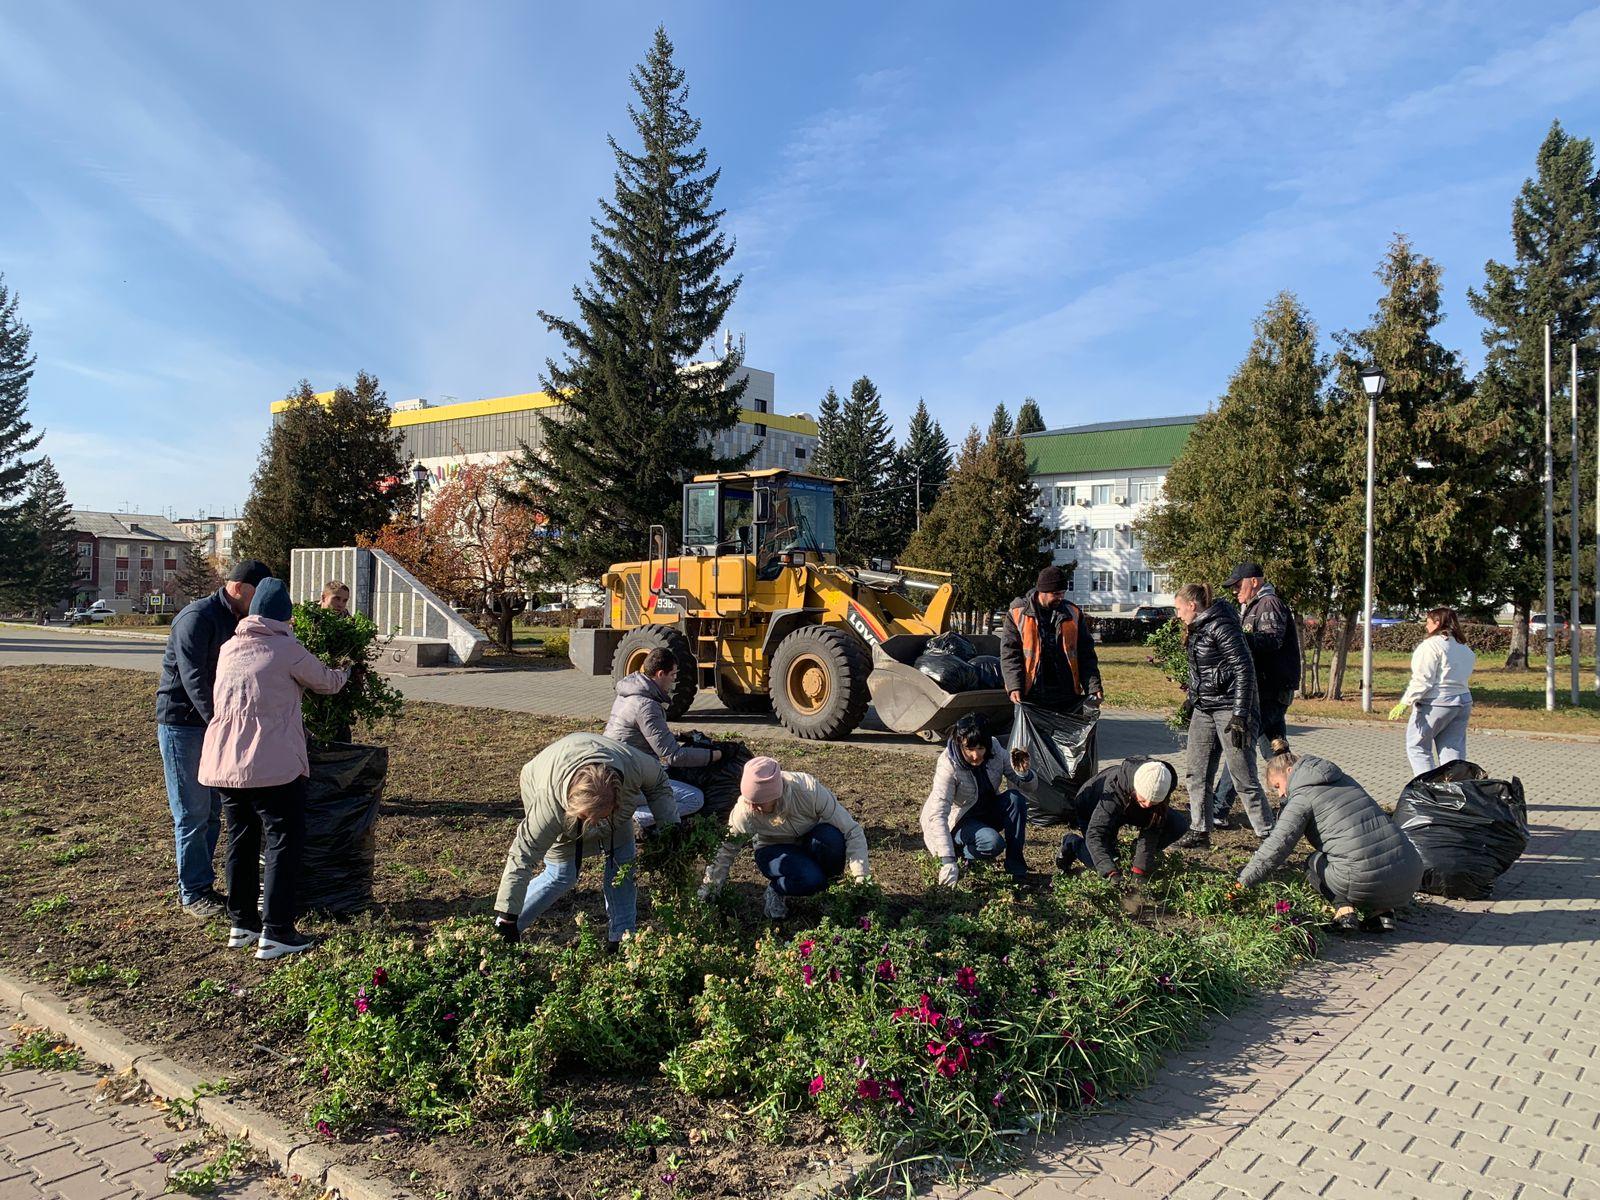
(1089,204)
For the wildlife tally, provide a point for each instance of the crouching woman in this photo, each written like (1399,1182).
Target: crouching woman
(803,837)
(968,811)
(1361,861)
(578,798)
(1137,792)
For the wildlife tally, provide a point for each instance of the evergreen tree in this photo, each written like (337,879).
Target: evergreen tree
(923,459)
(44,559)
(1554,279)
(984,529)
(1000,426)
(635,419)
(197,574)
(17,438)
(862,453)
(1029,418)
(327,475)
(828,432)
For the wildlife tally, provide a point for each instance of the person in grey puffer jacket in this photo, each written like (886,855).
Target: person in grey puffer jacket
(639,719)
(1360,858)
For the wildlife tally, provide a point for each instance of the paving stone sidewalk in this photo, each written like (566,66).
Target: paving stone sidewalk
(61,1140)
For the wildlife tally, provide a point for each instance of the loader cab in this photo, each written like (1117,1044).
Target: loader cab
(772,514)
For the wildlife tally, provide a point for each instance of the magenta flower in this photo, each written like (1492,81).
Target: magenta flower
(807,971)
(979,1040)
(997,1099)
(886,971)
(967,980)
(869,1089)
(817,1084)
(325,1130)
(866,923)
(449,1016)
(806,947)
(1282,906)
(923,1012)
(362,1004)
(1086,1091)
(379,977)
(833,975)
(669,1177)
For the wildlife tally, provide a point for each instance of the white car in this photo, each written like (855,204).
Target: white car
(87,616)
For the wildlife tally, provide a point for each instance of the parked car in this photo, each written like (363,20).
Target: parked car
(88,616)
(1379,620)
(1538,621)
(1148,618)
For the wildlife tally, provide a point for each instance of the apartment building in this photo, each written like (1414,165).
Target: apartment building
(1094,483)
(214,534)
(129,560)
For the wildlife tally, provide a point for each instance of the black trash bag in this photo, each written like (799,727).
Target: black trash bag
(1062,754)
(951,642)
(986,672)
(342,798)
(720,780)
(1467,827)
(952,674)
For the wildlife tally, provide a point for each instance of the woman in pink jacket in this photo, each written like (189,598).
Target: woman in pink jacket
(255,755)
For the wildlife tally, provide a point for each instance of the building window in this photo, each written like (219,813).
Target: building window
(1135,542)
(1141,581)
(800,452)
(144,576)
(85,549)
(1100,581)
(761,430)
(1102,539)
(144,551)
(122,587)
(122,549)
(1102,493)
(122,574)
(1145,491)
(761,406)
(1066,539)
(1066,495)
(1163,583)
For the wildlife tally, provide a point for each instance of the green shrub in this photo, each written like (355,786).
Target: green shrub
(42,1050)
(137,620)
(342,640)
(550,1132)
(556,645)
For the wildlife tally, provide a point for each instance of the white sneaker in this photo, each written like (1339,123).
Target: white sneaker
(776,906)
(270,948)
(239,937)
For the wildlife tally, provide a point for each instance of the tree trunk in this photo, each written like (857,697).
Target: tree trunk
(1341,658)
(1517,659)
(1316,653)
(503,625)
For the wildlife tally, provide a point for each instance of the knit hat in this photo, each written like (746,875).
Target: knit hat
(271,601)
(762,781)
(1153,781)
(1051,579)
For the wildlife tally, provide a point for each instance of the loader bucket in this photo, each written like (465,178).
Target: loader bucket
(907,701)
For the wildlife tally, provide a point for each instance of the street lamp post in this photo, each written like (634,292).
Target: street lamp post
(1372,382)
(419,479)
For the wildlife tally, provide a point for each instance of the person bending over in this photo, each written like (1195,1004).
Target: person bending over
(1361,861)
(578,797)
(967,810)
(639,719)
(802,835)
(1136,792)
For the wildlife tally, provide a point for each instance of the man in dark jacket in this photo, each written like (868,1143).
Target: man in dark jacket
(639,719)
(1360,858)
(183,710)
(1274,640)
(1046,653)
(1135,792)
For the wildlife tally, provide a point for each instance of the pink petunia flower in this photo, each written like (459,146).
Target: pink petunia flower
(953,1062)
(869,1089)
(379,977)
(325,1130)
(817,1084)
(886,971)
(1282,906)
(806,947)
(362,1004)
(807,972)
(866,923)
(967,980)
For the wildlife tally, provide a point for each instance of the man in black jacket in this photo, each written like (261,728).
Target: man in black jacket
(1135,792)
(1046,652)
(183,710)
(1274,638)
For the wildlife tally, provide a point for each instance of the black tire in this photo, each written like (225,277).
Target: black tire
(736,701)
(818,682)
(631,653)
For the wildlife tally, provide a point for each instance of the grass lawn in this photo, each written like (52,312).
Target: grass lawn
(717,1056)
(1501,699)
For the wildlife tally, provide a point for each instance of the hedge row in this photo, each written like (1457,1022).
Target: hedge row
(1405,637)
(137,620)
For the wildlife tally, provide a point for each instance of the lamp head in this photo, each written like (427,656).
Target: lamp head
(1373,380)
(419,474)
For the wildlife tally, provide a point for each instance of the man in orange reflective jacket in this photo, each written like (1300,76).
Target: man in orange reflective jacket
(1046,654)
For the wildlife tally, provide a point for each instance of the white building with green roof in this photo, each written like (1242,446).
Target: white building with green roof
(1095,482)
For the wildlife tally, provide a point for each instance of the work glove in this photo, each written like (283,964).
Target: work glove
(506,927)
(949,874)
(1186,711)
(1238,732)
(1398,711)
(1020,760)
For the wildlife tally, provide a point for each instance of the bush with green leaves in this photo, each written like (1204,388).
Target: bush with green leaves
(1168,655)
(343,640)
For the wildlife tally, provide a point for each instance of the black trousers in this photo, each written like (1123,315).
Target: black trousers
(275,816)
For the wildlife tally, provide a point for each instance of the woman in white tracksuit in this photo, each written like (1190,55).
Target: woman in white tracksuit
(1438,695)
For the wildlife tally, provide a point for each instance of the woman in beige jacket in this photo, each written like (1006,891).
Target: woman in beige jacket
(802,835)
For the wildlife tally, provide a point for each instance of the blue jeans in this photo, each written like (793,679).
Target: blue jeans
(196,810)
(558,878)
(690,799)
(988,828)
(804,867)
(1436,734)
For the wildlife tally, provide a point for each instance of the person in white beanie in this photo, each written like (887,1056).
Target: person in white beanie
(1136,792)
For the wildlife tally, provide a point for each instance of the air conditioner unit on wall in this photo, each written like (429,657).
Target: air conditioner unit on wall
(1119,499)
(1084,502)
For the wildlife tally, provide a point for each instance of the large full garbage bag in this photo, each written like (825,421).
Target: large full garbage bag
(986,672)
(951,642)
(1061,752)
(1467,827)
(720,780)
(342,800)
(951,673)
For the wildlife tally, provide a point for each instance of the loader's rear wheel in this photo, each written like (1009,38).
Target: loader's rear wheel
(819,682)
(636,647)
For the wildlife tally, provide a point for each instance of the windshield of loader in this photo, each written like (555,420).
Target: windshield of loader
(802,517)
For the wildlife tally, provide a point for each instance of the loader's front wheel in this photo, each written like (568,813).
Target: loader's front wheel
(636,647)
(818,682)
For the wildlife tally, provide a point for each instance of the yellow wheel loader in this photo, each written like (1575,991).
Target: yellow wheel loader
(756,607)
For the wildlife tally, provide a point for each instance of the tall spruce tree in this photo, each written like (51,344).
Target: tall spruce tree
(828,432)
(17,439)
(1554,279)
(862,453)
(634,423)
(1000,425)
(44,561)
(1029,418)
(197,574)
(922,461)
(327,475)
